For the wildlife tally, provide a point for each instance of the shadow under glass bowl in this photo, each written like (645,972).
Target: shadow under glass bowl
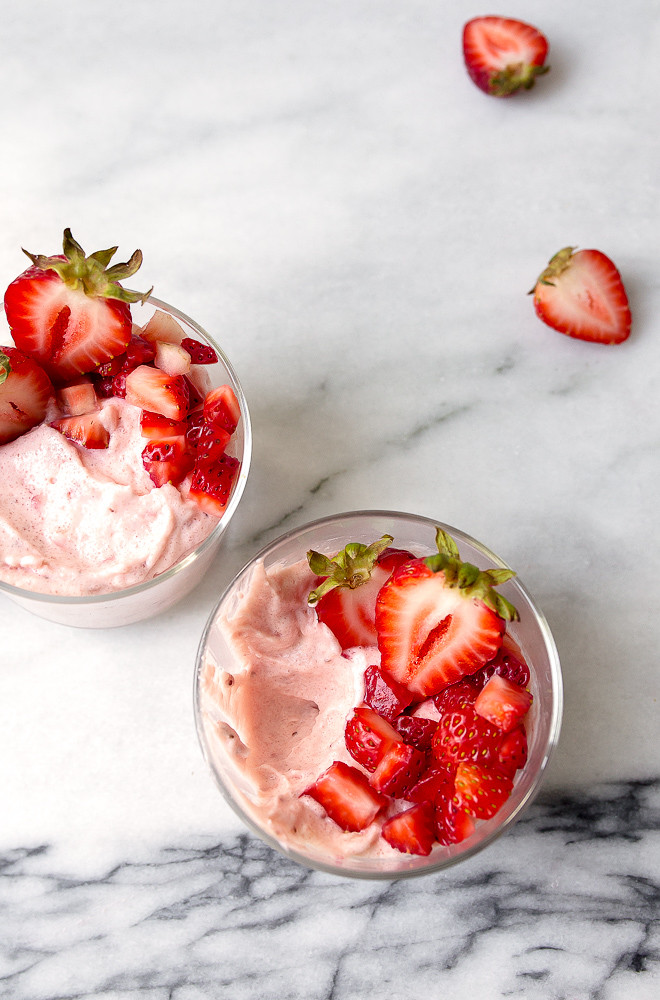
(145,600)
(531,633)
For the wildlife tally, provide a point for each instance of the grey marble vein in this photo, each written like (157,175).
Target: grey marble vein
(578,877)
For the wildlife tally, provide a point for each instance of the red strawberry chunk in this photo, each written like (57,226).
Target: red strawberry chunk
(25,392)
(158,427)
(195,400)
(368,737)
(85,429)
(78,397)
(221,408)
(200,354)
(167,460)
(138,352)
(347,797)
(435,785)
(212,483)
(383,694)
(209,442)
(508,663)
(416,731)
(412,831)
(463,735)
(502,703)
(479,791)
(104,386)
(513,751)
(154,390)
(400,767)
(459,696)
(453,823)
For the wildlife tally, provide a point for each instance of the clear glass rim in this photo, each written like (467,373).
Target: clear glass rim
(421,866)
(140,588)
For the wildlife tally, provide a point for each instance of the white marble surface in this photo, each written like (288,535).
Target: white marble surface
(323,188)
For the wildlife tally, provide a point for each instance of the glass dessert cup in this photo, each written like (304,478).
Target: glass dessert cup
(531,633)
(150,598)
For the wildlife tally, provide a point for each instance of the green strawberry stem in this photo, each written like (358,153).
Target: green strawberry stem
(92,274)
(471,581)
(349,568)
(5,367)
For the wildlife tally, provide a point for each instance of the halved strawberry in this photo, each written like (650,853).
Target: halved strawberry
(25,391)
(382,693)
(78,397)
(413,830)
(167,460)
(222,409)
(69,312)
(151,389)
(480,791)
(581,294)
(85,429)
(502,703)
(212,483)
(349,582)
(398,770)
(200,354)
(439,618)
(453,823)
(347,797)
(503,55)
(368,737)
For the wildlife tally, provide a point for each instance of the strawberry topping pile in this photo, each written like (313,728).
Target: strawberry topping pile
(440,734)
(75,344)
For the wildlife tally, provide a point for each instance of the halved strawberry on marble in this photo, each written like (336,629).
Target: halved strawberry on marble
(25,392)
(439,618)
(69,312)
(348,585)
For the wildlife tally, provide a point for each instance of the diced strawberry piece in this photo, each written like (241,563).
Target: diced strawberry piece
(151,389)
(513,751)
(416,731)
(383,694)
(435,785)
(119,385)
(503,55)
(171,358)
(200,354)
(453,823)
(168,460)
(462,735)
(112,367)
(508,663)
(209,442)
(68,312)
(222,409)
(25,391)
(78,397)
(212,483)
(459,696)
(368,737)
(502,703)
(479,791)
(104,386)
(412,831)
(399,768)
(582,295)
(85,429)
(139,352)
(158,427)
(347,797)
(162,327)
(195,400)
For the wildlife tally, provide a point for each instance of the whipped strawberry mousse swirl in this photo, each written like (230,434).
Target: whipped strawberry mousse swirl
(382,712)
(115,452)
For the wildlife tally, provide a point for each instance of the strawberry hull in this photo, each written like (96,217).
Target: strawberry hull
(279,702)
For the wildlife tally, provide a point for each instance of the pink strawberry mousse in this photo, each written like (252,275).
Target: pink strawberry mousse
(276,719)
(77,521)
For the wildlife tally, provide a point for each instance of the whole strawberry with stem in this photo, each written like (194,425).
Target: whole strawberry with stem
(439,618)
(69,311)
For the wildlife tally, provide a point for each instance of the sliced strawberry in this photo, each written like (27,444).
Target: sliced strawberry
(212,483)
(412,831)
(78,397)
(151,389)
(347,587)
(200,354)
(368,737)
(435,785)
(398,770)
(453,823)
(480,791)
(85,429)
(157,427)
(25,391)
(69,312)
(503,55)
(581,294)
(347,797)
(382,693)
(171,358)
(167,460)
(162,327)
(222,409)
(502,703)
(512,751)
(416,731)
(462,735)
